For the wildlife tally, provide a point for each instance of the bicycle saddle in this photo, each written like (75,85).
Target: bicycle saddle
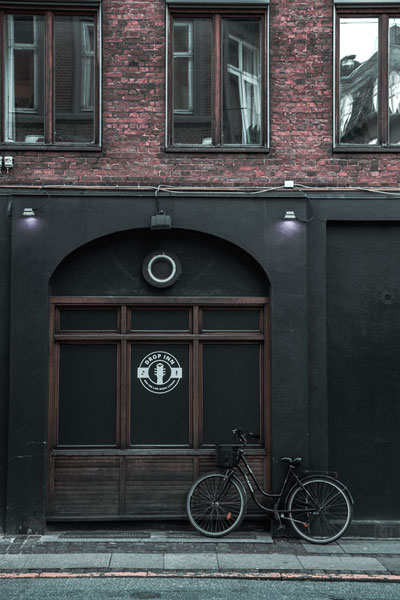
(292,461)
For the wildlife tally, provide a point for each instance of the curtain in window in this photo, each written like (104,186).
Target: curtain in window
(242,82)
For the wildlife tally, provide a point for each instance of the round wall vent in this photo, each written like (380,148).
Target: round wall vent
(161,269)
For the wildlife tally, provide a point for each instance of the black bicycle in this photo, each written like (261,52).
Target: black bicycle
(318,506)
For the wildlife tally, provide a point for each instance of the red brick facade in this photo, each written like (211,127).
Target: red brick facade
(133,113)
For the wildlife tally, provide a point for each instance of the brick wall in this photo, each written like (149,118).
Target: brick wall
(133,123)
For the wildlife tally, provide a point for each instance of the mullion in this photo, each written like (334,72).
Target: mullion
(383,95)
(49,78)
(216,78)
(2,70)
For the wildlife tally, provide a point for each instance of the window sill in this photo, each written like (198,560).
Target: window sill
(49,148)
(218,149)
(366,149)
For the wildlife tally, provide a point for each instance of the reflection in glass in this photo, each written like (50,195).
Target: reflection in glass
(358,75)
(24,79)
(394,81)
(241,82)
(192,87)
(74,79)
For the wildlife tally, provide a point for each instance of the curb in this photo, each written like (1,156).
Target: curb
(276,576)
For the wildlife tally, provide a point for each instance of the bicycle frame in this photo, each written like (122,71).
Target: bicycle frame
(278,513)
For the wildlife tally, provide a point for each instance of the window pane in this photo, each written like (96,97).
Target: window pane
(231,320)
(87,394)
(88,320)
(74,79)
(241,82)
(23,30)
(231,390)
(160,394)
(183,84)
(160,320)
(192,85)
(183,37)
(394,81)
(24,81)
(358,86)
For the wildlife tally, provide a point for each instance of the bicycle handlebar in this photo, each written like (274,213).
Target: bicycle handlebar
(243,435)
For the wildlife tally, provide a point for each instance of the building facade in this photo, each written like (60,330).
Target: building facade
(199,231)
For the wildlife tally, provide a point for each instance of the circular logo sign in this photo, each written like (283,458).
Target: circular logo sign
(159,372)
(161,269)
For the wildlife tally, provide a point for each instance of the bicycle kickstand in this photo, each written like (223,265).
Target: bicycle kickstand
(278,519)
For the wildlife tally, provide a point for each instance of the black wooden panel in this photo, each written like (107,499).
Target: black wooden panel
(160,319)
(231,320)
(87,394)
(86,486)
(88,320)
(231,390)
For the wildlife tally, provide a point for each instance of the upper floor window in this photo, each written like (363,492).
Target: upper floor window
(50,79)
(368,76)
(217,78)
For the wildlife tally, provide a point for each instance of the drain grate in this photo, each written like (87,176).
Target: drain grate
(192,534)
(109,535)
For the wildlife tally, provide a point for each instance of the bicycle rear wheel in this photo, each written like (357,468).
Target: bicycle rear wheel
(216,505)
(320,510)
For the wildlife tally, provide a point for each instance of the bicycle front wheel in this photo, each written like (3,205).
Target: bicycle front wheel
(216,504)
(320,510)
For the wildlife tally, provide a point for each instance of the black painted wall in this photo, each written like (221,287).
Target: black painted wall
(364,362)
(5,226)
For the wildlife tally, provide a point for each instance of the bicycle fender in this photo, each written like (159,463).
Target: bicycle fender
(327,478)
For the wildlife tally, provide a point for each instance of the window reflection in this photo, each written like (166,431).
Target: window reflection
(74,79)
(394,81)
(358,76)
(242,82)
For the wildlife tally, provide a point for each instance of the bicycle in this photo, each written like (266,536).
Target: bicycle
(318,506)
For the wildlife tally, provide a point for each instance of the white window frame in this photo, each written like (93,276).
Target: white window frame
(189,56)
(9,79)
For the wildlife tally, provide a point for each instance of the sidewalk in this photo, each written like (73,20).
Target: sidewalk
(182,552)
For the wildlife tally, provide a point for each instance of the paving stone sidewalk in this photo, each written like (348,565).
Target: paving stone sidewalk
(186,552)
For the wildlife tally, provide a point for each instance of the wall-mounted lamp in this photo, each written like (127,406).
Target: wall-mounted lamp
(161,221)
(28,212)
(290,214)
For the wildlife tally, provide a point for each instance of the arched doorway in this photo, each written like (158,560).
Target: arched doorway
(149,368)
